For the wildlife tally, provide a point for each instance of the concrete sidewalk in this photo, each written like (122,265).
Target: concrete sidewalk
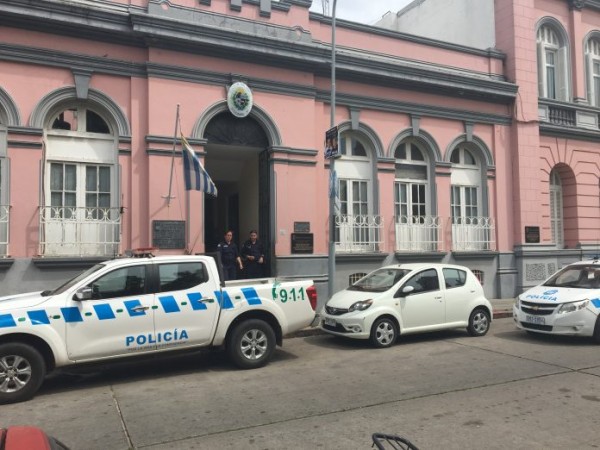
(502,308)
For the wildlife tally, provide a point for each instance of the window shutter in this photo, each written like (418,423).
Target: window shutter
(563,75)
(541,65)
(589,73)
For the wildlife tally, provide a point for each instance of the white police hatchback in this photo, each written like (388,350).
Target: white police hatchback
(408,298)
(568,303)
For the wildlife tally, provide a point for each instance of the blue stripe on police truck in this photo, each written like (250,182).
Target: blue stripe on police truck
(169,304)
(224,300)
(6,320)
(195,298)
(104,311)
(251,296)
(130,304)
(39,317)
(71,314)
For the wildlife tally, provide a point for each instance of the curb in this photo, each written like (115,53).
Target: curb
(315,331)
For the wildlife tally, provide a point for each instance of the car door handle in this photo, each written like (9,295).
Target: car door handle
(207,300)
(438,298)
(140,308)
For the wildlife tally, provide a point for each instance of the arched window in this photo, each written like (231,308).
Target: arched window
(552,59)
(472,230)
(416,228)
(592,60)
(358,224)
(556,209)
(80,215)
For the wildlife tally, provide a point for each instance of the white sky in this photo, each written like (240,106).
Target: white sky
(362,11)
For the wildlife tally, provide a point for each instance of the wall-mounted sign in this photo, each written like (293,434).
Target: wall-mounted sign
(302,243)
(168,233)
(532,235)
(331,143)
(301,227)
(239,99)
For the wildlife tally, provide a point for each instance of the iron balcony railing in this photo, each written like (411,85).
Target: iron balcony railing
(473,234)
(358,234)
(418,233)
(79,231)
(4,229)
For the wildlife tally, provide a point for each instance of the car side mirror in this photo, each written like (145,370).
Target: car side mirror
(85,293)
(405,291)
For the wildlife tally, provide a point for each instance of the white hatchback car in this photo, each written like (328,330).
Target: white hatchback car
(408,298)
(567,303)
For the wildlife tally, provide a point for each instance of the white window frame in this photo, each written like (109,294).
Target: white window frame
(549,41)
(592,63)
(4,194)
(556,210)
(82,230)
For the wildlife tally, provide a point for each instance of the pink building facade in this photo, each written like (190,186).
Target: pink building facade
(449,153)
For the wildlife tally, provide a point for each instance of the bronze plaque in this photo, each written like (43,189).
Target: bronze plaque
(302,243)
(532,235)
(168,233)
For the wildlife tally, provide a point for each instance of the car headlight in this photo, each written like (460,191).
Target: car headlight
(573,306)
(360,306)
(517,302)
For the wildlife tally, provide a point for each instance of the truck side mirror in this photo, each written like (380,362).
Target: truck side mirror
(85,293)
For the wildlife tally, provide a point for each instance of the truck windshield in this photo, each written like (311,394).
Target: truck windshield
(73,281)
(380,280)
(580,276)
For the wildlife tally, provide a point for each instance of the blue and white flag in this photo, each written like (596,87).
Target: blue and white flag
(196,178)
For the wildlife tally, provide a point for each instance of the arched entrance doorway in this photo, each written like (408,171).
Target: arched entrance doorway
(237,160)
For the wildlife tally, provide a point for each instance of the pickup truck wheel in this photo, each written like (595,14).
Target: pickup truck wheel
(22,370)
(479,322)
(384,333)
(251,344)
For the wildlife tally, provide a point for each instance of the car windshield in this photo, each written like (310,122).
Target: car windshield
(580,276)
(379,281)
(73,281)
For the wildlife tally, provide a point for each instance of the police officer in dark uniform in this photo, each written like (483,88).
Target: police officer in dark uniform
(230,256)
(253,254)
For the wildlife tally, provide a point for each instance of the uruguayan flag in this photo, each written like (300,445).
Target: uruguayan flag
(196,178)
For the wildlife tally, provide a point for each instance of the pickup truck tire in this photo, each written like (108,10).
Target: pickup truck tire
(22,371)
(479,322)
(384,332)
(251,344)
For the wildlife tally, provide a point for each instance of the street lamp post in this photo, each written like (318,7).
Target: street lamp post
(332,188)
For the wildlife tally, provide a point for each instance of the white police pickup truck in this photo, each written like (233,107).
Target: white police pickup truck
(135,306)
(567,303)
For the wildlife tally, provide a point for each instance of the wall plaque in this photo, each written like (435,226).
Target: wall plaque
(168,233)
(532,235)
(302,243)
(301,227)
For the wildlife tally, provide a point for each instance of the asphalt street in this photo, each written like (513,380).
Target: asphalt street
(442,390)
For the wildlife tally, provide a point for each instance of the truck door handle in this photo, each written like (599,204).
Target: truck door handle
(207,300)
(140,308)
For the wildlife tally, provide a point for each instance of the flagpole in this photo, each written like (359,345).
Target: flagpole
(173,157)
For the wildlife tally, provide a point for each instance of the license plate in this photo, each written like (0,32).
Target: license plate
(535,319)
(329,322)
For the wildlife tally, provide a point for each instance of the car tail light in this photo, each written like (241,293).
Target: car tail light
(311,291)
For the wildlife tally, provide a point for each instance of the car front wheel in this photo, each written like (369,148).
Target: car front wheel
(251,344)
(479,322)
(22,370)
(384,332)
